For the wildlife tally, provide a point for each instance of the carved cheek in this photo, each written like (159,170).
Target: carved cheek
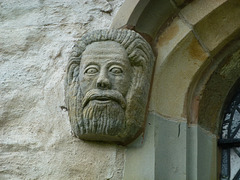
(126,85)
(122,84)
(87,83)
(126,81)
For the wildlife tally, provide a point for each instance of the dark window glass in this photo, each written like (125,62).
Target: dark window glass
(230,141)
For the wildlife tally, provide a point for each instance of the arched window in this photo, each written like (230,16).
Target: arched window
(230,141)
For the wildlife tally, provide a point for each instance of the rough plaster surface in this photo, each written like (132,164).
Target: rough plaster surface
(36,38)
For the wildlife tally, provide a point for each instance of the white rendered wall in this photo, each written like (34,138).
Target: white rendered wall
(36,37)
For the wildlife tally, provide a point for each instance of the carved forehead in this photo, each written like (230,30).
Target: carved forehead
(105,48)
(105,52)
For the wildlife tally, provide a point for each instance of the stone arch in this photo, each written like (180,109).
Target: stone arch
(213,87)
(194,41)
(208,95)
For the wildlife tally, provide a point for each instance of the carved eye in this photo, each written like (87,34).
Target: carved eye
(116,70)
(91,70)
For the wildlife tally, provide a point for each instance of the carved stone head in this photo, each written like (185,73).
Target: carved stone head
(107,85)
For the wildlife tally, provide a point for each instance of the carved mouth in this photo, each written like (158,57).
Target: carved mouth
(103,97)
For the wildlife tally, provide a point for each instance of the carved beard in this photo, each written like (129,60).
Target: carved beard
(106,118)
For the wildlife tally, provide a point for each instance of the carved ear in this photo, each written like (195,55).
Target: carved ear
(72,70)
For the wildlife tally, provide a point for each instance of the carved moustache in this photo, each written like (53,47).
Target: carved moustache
(104,95)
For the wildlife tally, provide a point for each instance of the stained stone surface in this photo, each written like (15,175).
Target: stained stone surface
(36,38)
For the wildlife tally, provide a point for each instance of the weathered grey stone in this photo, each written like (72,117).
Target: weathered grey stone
(107,85)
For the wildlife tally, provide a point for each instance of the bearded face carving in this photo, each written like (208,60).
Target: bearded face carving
(107,85)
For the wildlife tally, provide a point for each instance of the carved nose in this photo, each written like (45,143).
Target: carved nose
(103,82)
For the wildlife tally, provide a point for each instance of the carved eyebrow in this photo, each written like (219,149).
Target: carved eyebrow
(119,63)
(90,64)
